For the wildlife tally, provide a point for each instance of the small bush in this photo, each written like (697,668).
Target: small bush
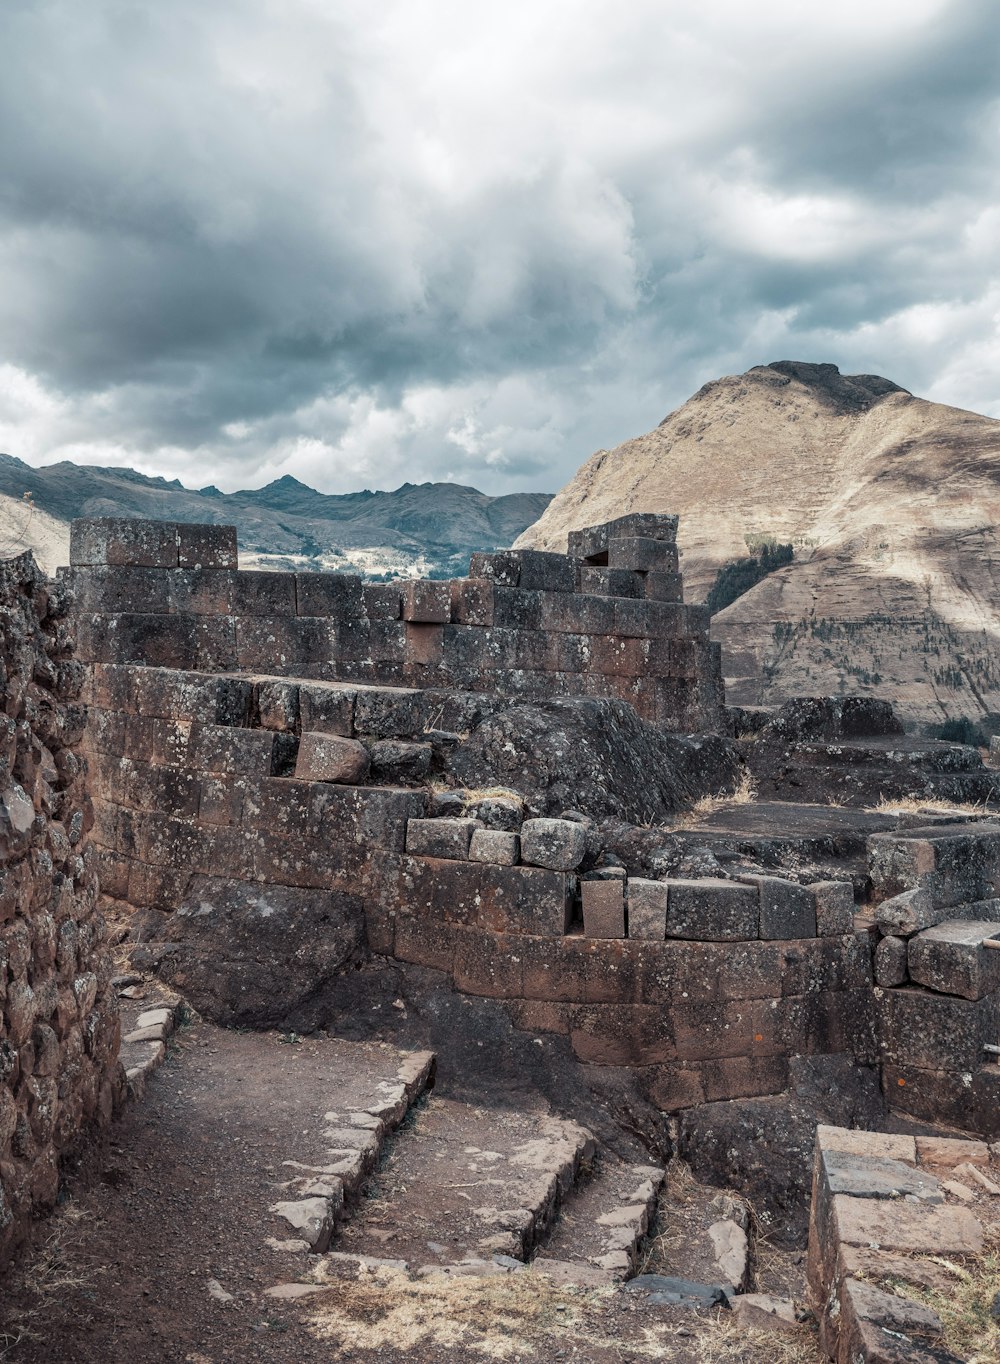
(962,731)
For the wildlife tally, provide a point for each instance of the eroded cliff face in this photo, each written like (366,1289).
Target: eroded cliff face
(59,1029)
(891,502)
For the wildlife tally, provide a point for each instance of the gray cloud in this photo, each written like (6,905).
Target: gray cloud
(240,240)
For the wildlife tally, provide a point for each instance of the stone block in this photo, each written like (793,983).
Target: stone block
(338,595)
(834,907)
(559,844)
(744,1077)
(577,614)
(895,1224)
(646,525)
(954,863)
(713,910)
(947,1152)
(870,1176)
(526,900)
(441,888)
(382,601)
(951,958)
(330,757)
(487,964)
(890,962)
(907,913)
(787,910)
(257,593)
(936,1032)
(117,542)
(472,601)
(496,846)
(424,644)
(647,909)
(108,591)
(199,591)
(611,582)
(661,585)
(446,838)
(542,571)
(326,708)
(218,748)
(603,908)
(206,546)
(642,554)
(855,1141)
(397,761)
(389,712)
(277,706)
(426,602)
(514,608)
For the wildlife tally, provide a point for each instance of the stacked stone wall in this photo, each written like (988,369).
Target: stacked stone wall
(59,1030)
(524,623)
(706,987)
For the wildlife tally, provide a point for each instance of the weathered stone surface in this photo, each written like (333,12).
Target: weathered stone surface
(907,913)
(248,954)
(869,1176)
(951,958)
(328,757)
(496,846)
(558,844)
(891,962)
(603,909)
(647,909)
(712,910)
(447,838)
(834,907)
(787,910)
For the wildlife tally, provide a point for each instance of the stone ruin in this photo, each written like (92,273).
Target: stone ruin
(292,774)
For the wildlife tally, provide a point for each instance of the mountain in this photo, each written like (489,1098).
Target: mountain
(427,528)
(890,502)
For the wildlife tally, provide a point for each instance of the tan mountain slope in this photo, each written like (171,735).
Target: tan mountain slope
(892,504)
(24,526)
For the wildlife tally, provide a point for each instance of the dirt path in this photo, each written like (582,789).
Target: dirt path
(159,1253)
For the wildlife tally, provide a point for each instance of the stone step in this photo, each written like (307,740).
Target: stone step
(604,1220)
(466,1182)
(928,755)
(370,1090)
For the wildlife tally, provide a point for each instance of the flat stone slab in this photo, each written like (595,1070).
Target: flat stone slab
(883,1224)
(878,1177)
(467,1183)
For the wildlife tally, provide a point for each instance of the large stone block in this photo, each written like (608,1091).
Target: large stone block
(525,900)
(330,757)
(495,846)
(834,907)
(952,959)
(787,910)
(206,546)
(646,525)
(559,844)
(117,542)
(448,838)
(936,1032)
(603,908)
(647,909)
(611,582)
(326,708)
(427,602)
(642,554)
(661,585)
(954,863)
(338,595)
(259,593)
(712,909)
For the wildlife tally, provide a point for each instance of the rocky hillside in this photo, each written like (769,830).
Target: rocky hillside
(891,502)
(427,529)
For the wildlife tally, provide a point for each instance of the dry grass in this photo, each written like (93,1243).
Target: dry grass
(744,793)
(911,805)
(503,793)
(525,1316)
(970,1331)
(58,1266)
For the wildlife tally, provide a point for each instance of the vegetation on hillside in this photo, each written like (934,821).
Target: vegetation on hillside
(739,575)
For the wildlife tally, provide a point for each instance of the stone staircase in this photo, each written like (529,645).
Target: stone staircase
(467,1182)
(603,1222)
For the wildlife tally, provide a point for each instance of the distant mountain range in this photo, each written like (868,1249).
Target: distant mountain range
(891,505)
(428,529)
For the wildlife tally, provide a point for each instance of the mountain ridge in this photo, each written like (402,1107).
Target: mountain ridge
(891,502)
(428,528)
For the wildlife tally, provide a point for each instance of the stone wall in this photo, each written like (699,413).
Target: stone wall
(524,623)
(59,1072)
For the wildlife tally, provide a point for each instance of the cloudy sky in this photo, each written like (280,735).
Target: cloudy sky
(368,243)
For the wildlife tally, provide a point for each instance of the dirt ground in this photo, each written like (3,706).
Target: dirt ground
(157,1252)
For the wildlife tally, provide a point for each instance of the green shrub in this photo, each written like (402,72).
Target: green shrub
(962,731)
(739,575)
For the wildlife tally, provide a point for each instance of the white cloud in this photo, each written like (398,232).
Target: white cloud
(366,244)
